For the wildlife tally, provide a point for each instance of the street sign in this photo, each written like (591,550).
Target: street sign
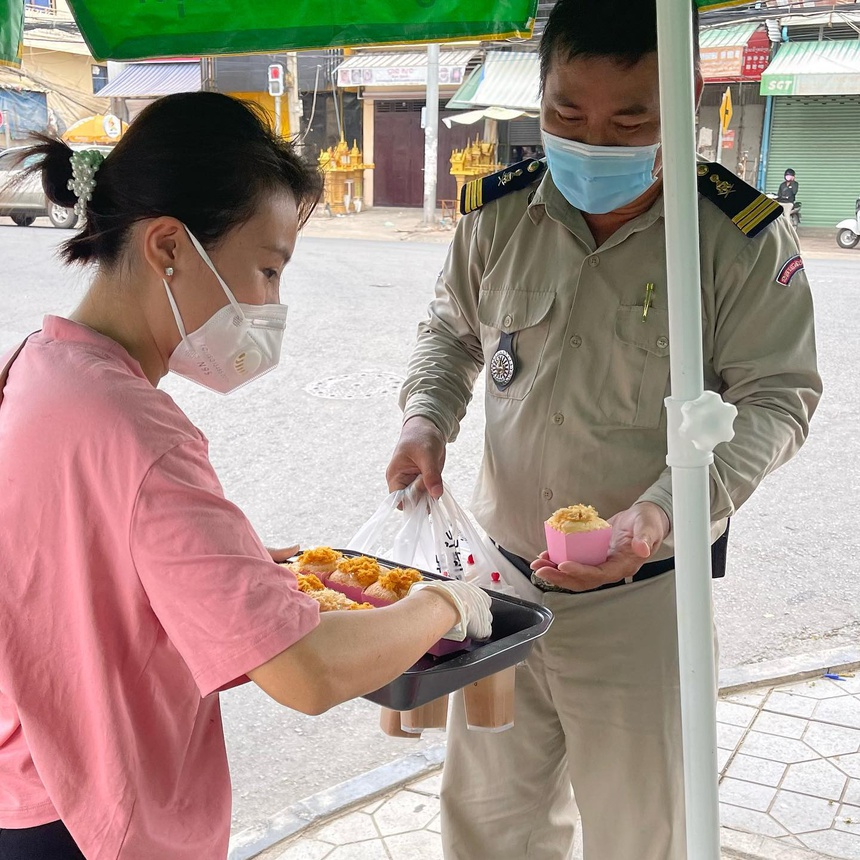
(729,139)
(726,109)
(276,80)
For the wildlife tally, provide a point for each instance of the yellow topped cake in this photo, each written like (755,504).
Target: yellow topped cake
(575,519)
(320,561)
(359,572)
(394,584)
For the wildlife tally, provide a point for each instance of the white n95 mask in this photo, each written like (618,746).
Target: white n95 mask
(236,345)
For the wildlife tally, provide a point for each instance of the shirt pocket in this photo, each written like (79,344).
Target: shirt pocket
(527,315)
(637,380)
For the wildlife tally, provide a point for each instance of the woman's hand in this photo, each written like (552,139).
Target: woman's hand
(637,534)
(282,555)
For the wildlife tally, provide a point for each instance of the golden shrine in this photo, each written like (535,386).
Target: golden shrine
(343,169)
(477,160)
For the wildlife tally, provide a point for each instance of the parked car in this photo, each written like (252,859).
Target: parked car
(25,201)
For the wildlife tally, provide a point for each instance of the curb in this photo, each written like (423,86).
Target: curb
(362,789)
(334,801)
(788,670)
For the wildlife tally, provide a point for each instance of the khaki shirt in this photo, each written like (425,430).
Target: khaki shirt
(584,420)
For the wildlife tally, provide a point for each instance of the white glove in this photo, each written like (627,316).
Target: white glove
(471,602)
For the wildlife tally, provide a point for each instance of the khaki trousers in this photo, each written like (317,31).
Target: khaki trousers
(598,715)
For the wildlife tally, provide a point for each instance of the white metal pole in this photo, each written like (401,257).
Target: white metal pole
(690,484)
(719,158)
(431,134)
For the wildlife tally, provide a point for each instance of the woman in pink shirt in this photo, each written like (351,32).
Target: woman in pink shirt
(132,590)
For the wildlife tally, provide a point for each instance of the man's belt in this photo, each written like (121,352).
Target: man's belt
(647,571)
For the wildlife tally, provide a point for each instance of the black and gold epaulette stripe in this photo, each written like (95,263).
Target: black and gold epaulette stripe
(479,192)
(750,210)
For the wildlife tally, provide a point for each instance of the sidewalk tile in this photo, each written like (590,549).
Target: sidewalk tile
(355,827)
(360,851)
(817,778)
(723,757)
(372,807)
(834,843)
(735,715)
(728,737)
(844,711)
(851,682)
(752,698)
(435,826)
(419,845)
(758,770)
(849,764)
(794,704)
(433,784)
(800,813)
(404,812)
(852,794)
(830,740)
(307,849)
(820,688)
(848,819)
(775,748)
(780,724)
(738,818)
(749,795)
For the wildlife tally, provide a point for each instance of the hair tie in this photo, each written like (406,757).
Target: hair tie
(85,163)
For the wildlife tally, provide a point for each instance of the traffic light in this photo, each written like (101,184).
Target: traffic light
(276,79)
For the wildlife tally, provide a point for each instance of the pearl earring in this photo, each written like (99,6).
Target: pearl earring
(169,271)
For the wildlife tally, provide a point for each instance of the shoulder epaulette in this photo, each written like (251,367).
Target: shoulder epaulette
(479,192)
(750,210)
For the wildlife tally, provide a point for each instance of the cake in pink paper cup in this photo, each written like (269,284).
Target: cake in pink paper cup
(577,534)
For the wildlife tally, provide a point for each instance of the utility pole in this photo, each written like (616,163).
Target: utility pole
(431,134)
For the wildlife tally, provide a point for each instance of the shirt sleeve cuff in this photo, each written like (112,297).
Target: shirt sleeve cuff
(232,670)
(420,408)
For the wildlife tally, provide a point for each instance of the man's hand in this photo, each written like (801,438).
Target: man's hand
(637,534)
(282,555)
(420,453)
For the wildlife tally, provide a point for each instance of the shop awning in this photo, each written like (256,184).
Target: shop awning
(507,80)
(734,53)
(148,80)
(814,69)
(401,67)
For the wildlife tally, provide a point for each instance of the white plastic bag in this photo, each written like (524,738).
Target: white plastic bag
(438,535)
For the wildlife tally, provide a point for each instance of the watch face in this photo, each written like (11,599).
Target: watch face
(502,369)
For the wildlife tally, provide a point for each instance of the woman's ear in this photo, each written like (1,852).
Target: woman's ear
(161,237)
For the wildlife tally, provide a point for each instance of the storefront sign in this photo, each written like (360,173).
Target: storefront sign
(387,76)
(720,63)
(729,139)
(756,59)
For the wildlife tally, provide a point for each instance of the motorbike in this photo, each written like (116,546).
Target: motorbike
(848,231)
(792,210)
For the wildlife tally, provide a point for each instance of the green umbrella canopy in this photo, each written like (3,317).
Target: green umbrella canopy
(123,30)
(120,30)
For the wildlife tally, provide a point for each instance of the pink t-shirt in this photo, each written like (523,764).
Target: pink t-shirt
(131,591)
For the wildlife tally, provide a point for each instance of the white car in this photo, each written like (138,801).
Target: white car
(25,201)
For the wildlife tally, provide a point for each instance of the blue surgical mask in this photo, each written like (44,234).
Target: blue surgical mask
(599,179)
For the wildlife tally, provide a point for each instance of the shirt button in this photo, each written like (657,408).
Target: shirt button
(507,321)
(576,341)
(547,494)
(662,342)
(558,418)
(594,261)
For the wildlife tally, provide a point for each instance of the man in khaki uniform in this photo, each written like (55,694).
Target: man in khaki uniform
(547,286)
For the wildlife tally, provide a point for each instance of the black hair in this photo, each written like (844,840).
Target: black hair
(625,30)
(790,171)
(204,158)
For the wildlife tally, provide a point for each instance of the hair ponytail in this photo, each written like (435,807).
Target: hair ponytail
(203,158)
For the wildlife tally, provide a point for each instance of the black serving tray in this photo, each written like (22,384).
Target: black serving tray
(517,625)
